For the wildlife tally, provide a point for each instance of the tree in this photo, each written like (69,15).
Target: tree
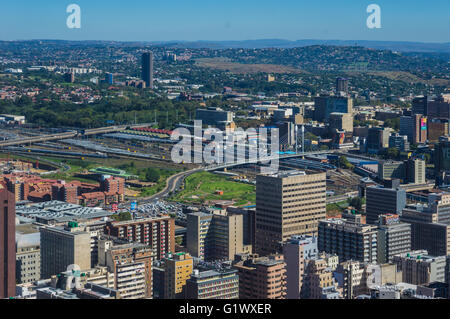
(356,202)
(344,163)
(121,217)
(152,175)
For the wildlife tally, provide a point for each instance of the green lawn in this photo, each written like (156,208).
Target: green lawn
(201,187)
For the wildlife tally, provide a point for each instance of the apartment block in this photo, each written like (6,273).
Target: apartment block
(156,232)
(178,269)
(348,240)
(131,264)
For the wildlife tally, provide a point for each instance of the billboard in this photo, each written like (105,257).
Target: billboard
(423,123)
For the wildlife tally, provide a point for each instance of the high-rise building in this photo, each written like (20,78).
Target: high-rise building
(178,268)
(442,155)
(415,127)
(341,122)
(420,105)
(7,243)
(399,142)
(198,234)
(436,129)
(394,237)
(131,264)
(419,268)
(384,200)
(439,108)
(288,204)
(318,281)
(109,78)
(147,69)
(416,171)
(262,277)
(348,240)
(377,139)
(325,105)
(28,262)
(215,236)
(341,86)
(351,275)
(62,247)
(213,284)
(157,232)
(295,252)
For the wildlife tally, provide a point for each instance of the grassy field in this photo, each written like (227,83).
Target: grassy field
(200,188)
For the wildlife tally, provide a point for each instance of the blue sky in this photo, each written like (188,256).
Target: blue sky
(166,20)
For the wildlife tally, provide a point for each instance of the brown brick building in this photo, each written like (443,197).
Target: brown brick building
(262,277)
(157,232)
(7,243)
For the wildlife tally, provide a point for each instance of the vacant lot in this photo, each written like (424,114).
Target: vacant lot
(201,188)
(240,68)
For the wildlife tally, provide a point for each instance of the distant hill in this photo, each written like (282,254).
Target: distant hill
(419,47)
(279,43)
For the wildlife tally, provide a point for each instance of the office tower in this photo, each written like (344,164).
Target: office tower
(197,230)
(348,240)
(109,78)
(442,155)
(390,199)
(325,105)
(420,105)
(416,171)
(178,268)
(295,252)
(391,170)
(214,116)
(7,243)
(262,277)
(147,69)
(415,127)
(394,237)
(341,86)
(399,142)
(426,232)
(249,223)
(318,281)
(131,264)
(420,268)
(62,247)
(157,232)
(217,235)
(287,204)
(377,139)
(439,108)
(341,122)
(351,276)
(436,129)
(213,284)
(28,261)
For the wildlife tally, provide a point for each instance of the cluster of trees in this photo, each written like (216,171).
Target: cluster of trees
(90,115)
